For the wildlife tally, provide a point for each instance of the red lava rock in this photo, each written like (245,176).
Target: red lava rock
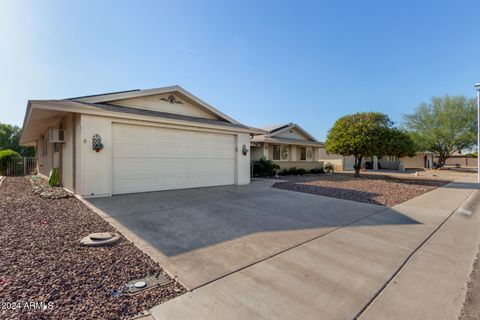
(369,188)
(44,262)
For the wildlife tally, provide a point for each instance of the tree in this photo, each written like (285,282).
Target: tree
(399,143)
(360,135)
(445,125)
(10,139)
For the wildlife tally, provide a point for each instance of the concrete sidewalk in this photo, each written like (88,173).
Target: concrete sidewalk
(331,277)
(433,283)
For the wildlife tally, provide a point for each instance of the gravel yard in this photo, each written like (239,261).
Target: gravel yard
(370,188)
(41,261)
(471,306)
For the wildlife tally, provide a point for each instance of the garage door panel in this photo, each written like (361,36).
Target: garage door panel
(149,159)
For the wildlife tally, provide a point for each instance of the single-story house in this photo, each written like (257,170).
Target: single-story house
(137,141)
(287,145)
(421,160)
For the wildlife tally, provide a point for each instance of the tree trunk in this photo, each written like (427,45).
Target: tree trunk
(358,165)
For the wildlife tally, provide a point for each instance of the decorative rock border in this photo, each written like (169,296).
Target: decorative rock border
(41,188)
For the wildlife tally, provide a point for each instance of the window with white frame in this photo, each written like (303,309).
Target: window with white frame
(303,153)
(276,152)
(309,154)
(280,152)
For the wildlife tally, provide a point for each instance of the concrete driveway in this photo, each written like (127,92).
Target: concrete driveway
(204,234)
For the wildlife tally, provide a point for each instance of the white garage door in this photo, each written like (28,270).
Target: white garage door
(151,159)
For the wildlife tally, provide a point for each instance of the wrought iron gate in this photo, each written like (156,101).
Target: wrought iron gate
(21,166)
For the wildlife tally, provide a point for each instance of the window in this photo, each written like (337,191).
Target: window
(309,154)
(303,153)
(280,152)
(276,152)
(284,152)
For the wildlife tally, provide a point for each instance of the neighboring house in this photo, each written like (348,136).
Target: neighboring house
(137,141)
(288,145)
(421,160)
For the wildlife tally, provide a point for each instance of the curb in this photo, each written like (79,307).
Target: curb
(471,204)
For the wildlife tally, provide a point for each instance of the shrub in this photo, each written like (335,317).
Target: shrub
(5,157)
(293,171)
(328,167)
(264,168)
(316,171)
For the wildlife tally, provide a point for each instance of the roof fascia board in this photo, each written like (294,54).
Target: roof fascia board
(95,111)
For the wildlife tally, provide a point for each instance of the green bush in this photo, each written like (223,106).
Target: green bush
(293,171)
(316,171)
(328,167)
(264,168)
(5,157)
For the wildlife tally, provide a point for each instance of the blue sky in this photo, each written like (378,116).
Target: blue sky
(261,62)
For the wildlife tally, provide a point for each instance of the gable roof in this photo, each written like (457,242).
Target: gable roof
(40,113)
(109,97)
(274,130)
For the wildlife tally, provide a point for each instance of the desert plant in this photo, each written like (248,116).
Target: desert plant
(5,157)
(445,125)
(264,168)
(54,178)
(328,167)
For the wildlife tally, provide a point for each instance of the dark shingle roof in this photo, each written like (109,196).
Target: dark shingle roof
(102,94)
(159,114)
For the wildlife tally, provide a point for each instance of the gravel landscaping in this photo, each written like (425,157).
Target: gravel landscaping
(471,306)
(43,262)
(369,188)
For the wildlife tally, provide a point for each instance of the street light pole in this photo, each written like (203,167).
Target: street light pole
(477,86)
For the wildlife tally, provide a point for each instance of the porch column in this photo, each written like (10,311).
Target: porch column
(293,153)
(265,150)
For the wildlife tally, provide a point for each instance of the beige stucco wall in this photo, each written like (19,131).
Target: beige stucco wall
(461,161)
(416,161)
(243,161)
(44,161)
(95,166)
(256,152)
(335,159)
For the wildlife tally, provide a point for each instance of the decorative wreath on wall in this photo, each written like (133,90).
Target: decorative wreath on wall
(244,150)
(97,144)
